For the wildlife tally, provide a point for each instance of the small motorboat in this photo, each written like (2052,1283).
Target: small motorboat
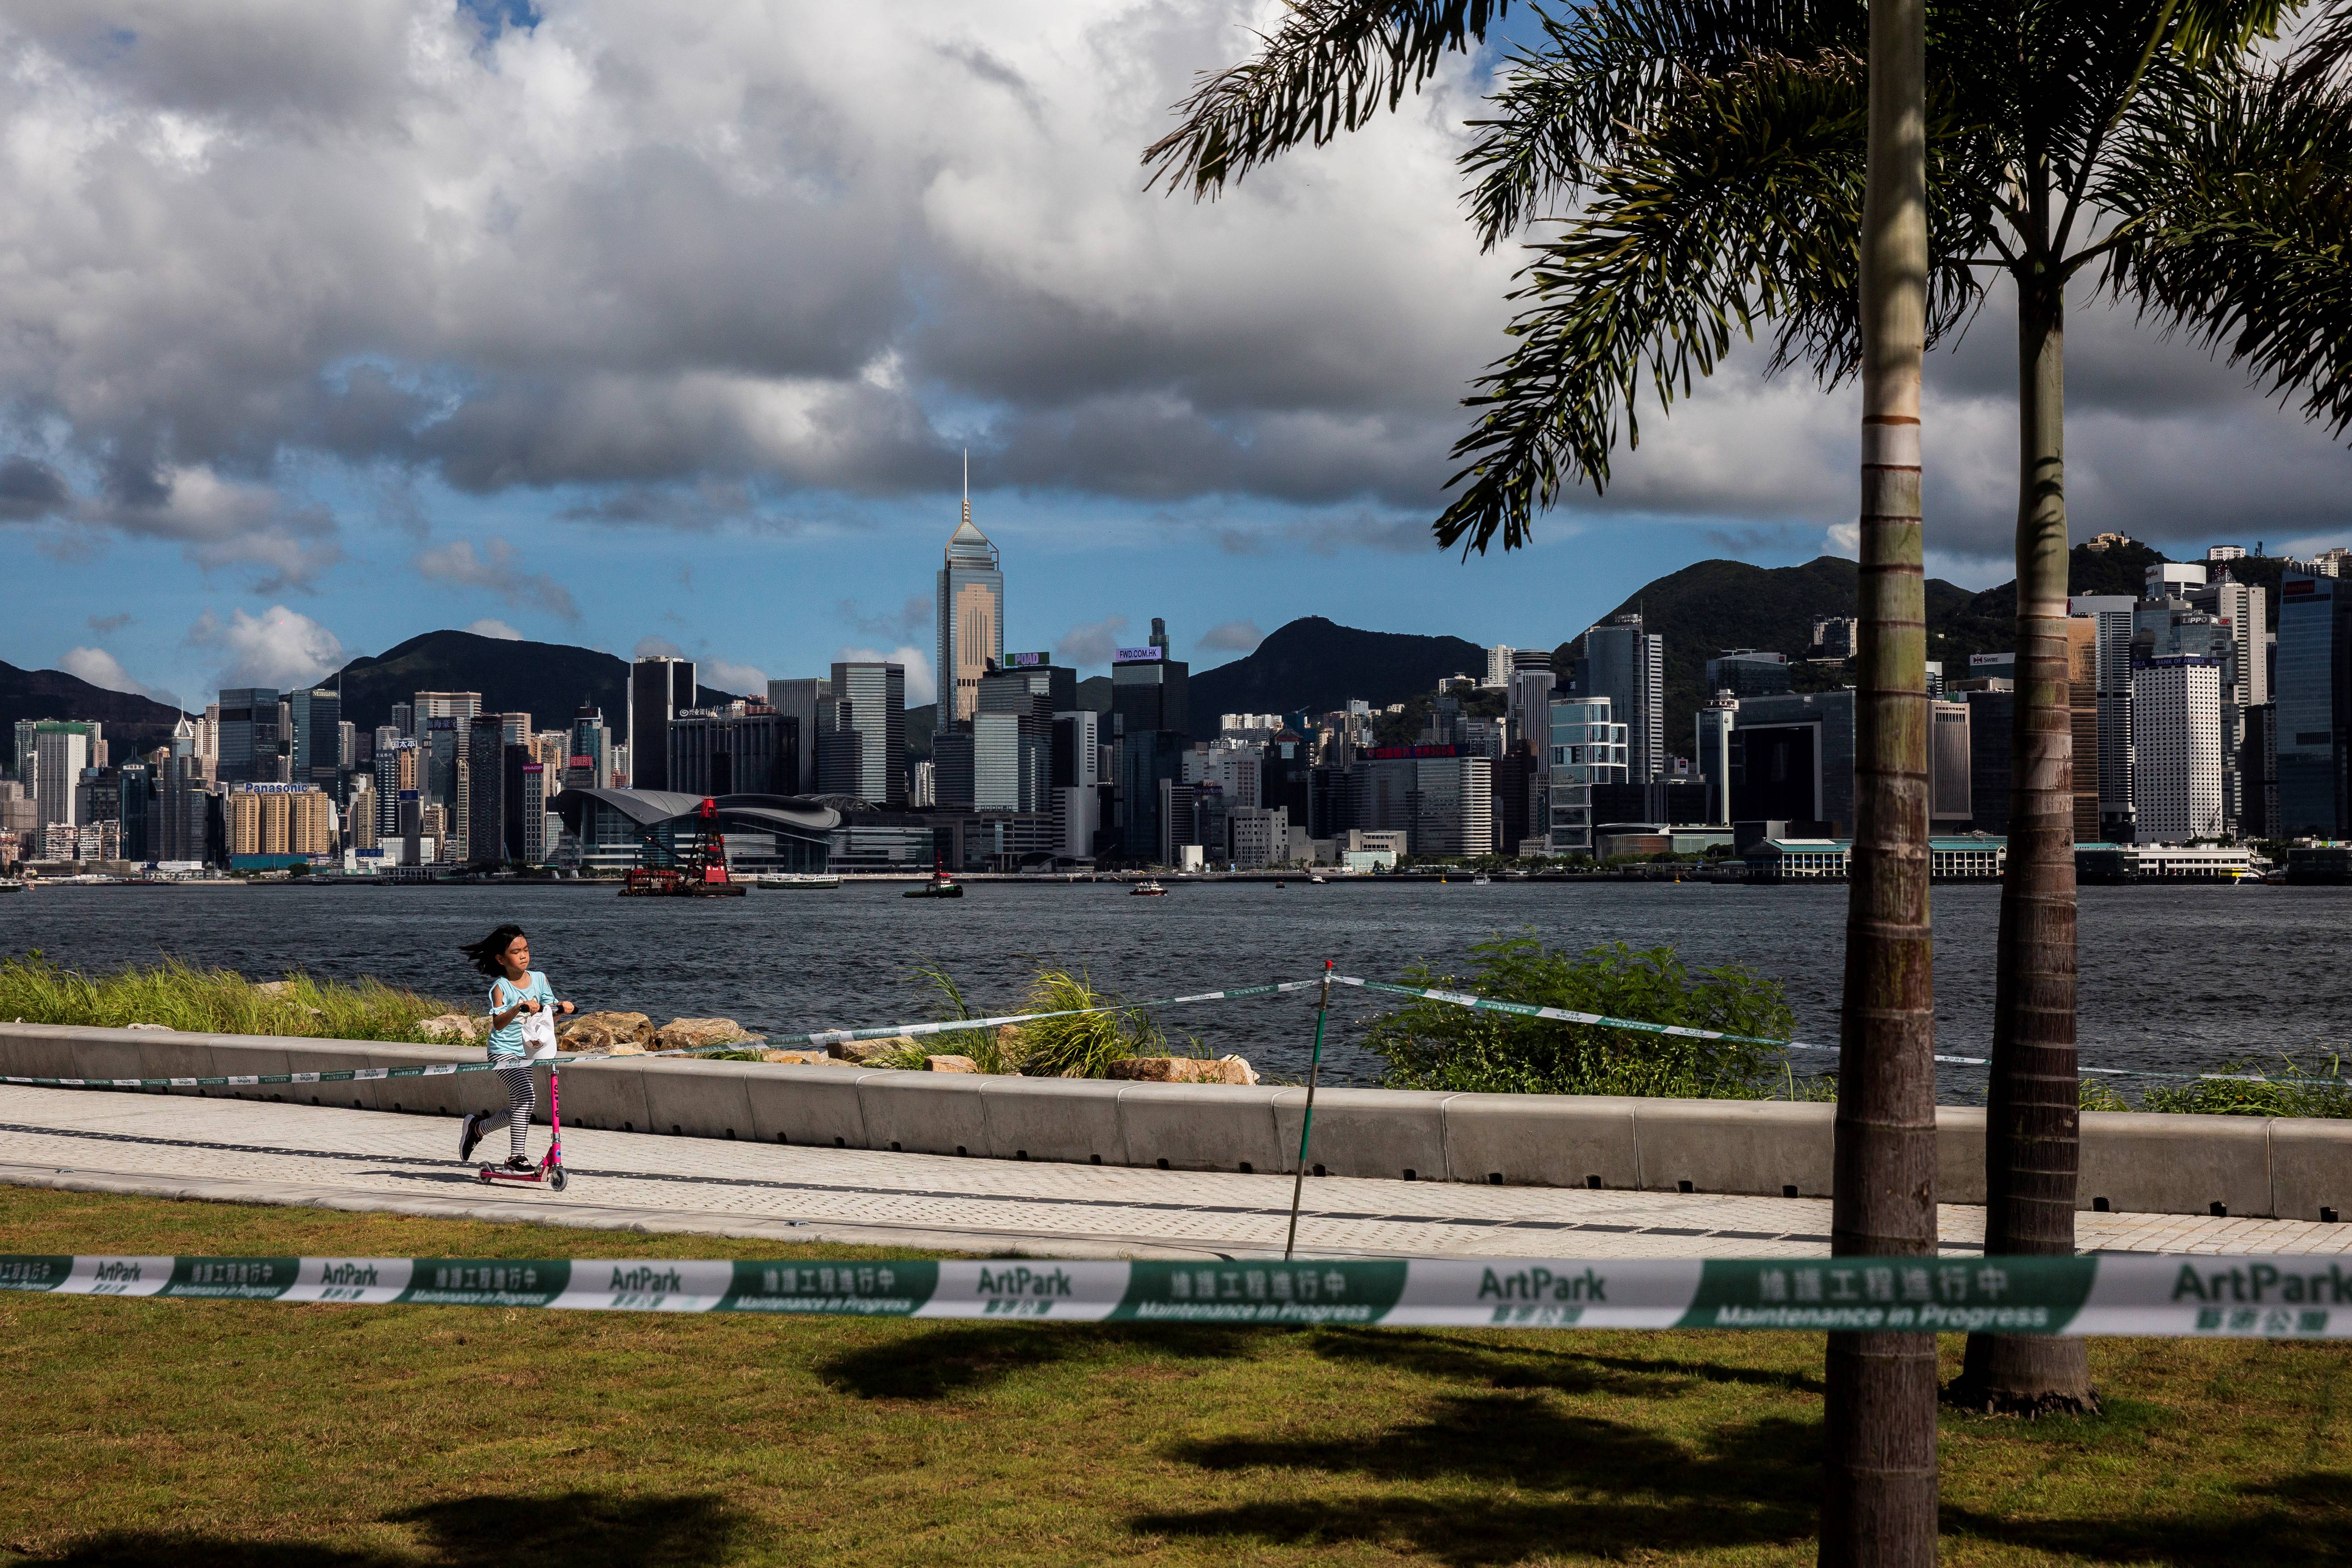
(1147,889)
(1481,879)
(940,886)
(1317,881)
(1277,884)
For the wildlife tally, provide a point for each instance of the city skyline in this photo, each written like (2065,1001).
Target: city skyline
(620,430)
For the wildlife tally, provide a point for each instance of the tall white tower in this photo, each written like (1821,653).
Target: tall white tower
(971,614)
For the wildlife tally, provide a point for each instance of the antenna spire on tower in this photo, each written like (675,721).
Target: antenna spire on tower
(967,487)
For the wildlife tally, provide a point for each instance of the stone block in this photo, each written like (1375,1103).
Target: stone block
(1735,1145)
(1073,1120)
(1379,1132)
(1202,1127)
(2148,1163)
(1541,1140)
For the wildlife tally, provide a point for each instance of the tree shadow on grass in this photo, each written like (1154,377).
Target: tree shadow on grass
(1620,1489)
(962,1360)
(1531,1363)
(2305,1523)
(573,1530)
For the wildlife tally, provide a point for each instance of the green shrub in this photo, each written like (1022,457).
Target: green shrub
(2296,1091)
(211,1001)
(2098,1094)
(1081,1047)
(1434,1044)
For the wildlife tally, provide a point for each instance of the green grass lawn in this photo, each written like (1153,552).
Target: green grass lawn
(214,1433)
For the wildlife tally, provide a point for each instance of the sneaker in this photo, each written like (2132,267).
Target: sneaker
(519,1162)
(470,1134)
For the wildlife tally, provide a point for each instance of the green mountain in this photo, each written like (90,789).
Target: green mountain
(547,680)
(133,723)
(1317,665)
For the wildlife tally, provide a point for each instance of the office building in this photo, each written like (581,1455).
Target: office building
(1748,672)
(536,839)
(954,784)
(404,719)
(971,615)
(923,785)
(314,741)
(1442,800)
(1260,835)
(2313,702)
(1011,760)
(1528,708)
(2170,579)
(1147,760)
(60,751)
(802,702)
(2258,772)
(1628,666)
(2244,609)
(1948,780)
(838,757)
(441,751)
(1992,726)
(873,710)
(248,735)
(1589,748)
(458,705)
(484,808)
(135,802)
(1835,637)
(1149,689)
(2083,713)
(743,749)
(1717,716)
(1237,772)
(361,820)
(589,757)
(2111,616)
(1498,668)
(396,773)
(280,819)
(177,819)
(659,686)
(1792,761)
(2176,734)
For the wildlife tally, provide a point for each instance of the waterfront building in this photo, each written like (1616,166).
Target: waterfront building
(659,686)
(1748,672)
(484,809)
(314,738)
(1628,666)
(715,751)
(1260,835)
(1589,748)
(872,712)
(2177,737)
(248,735)
(801,700)
(1148,759)
(2111,616)
(280,820)
(971,615)
(135,802)
(1442,800)
(1011,760)
(1992,725)
(2082,711)
(1971,858)
(954,781)
(615,829)
(1149,689)
(1717,716)
(60,751)
(177,821)
(1948,779)
(2258,772)
(1792,761)
(1528,708)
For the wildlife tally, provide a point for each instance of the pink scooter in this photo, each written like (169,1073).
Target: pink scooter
(550,1168)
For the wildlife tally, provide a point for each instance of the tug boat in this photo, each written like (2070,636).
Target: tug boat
(940,886)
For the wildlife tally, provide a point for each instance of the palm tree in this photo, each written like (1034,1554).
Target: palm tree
(1718,154)
(1864,301)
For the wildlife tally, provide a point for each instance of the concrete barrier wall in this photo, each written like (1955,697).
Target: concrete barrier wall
(2131,1162)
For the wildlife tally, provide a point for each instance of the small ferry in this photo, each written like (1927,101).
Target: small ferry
(1147,889)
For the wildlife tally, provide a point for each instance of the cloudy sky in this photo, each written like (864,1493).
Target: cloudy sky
(665,326)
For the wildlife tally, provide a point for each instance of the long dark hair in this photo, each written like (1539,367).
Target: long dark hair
(486,952)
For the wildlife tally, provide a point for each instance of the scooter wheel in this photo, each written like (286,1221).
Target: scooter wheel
(483,1177)
(557,1179)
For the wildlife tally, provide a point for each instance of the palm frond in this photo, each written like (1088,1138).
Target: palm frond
(1330,67)
(1603,74)
(2325,54)
(1742,206)
(2242,215)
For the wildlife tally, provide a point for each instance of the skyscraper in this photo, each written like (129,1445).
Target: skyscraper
(971,614)
(1628,666)
(1149,689)
(2176,736)
(248,735)
(799,701)
(314,749)
(659,686)
(486,779)
(876,698)
(2312,704)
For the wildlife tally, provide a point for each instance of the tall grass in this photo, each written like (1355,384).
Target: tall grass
(2298,1090)
(34,989)
(1082,1046)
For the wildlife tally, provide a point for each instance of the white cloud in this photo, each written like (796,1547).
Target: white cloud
(279,646)
(495,570)
(656,647)
(486,628)
(741,680)
(103,669)
(1091,642)
(1232,637)
(922,684)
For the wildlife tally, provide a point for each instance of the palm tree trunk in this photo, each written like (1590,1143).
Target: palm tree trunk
(1878,1504)
(2032,1119)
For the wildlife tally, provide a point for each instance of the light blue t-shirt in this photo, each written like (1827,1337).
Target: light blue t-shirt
(507,1041)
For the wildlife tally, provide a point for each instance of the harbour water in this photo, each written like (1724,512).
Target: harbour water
(2179,978)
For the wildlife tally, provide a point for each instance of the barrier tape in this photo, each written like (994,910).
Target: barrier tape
(2204,1296)
(1602,1020)
(822,1037)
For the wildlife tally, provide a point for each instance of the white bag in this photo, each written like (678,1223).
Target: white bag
(539,1034)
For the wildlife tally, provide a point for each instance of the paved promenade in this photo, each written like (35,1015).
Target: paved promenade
(252,1152)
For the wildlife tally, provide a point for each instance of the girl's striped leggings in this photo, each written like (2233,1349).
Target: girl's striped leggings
(521,1103)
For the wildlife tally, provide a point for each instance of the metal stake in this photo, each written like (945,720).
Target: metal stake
(1306,1126)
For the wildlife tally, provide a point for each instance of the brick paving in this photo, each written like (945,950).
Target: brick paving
(254,1152)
